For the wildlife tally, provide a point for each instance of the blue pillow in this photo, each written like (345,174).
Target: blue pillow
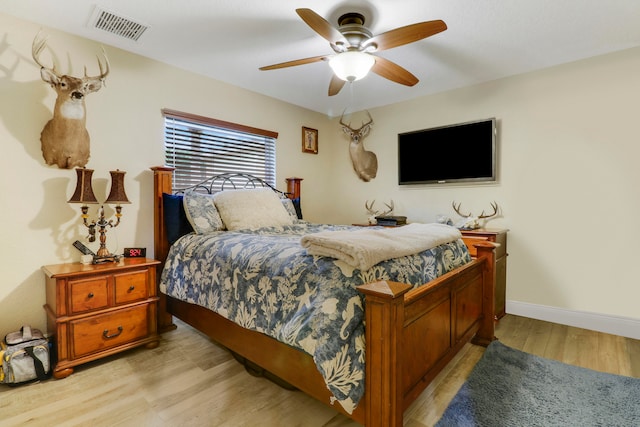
(297,207)
(175,218)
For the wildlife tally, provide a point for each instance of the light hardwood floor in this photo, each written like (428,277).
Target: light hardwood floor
(190,381)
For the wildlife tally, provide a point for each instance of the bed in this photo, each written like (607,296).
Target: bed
(411,331)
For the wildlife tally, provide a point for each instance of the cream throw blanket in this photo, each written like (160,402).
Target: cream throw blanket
(366,247)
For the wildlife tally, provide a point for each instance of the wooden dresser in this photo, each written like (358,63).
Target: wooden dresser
(95,311)
(496,236)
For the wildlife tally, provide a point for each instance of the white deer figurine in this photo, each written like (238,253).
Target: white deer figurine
(365,163)
(64,139)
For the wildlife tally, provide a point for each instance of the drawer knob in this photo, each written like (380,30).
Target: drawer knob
(131,288)
(105,333)
(90,295)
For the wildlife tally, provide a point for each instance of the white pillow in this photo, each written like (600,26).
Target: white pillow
(202,213)
(251,208)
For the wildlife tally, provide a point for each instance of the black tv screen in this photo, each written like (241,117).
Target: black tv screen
(464,152)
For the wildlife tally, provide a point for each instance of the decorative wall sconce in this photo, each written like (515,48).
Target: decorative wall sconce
(84,194)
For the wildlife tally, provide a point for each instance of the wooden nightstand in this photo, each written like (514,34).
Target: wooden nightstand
(95,311)
(496,236)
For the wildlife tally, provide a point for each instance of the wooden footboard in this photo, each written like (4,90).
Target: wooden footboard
(411,334)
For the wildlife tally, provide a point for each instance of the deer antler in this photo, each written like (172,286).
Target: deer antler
(104,72)
(37,46)
(457,209)
(356,131)
(343,123)
(369,207)
(494,205)
(390,206)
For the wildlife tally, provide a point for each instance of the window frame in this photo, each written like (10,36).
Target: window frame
(223,126)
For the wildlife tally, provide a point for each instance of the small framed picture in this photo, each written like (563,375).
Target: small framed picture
(309,140)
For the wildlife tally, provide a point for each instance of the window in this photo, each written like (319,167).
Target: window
(200,147)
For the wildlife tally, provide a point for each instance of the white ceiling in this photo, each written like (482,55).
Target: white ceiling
(229,40)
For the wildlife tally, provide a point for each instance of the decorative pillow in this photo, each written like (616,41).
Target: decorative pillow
(202,213)
(175,219)
(291,210)
(297,207)
(251,208)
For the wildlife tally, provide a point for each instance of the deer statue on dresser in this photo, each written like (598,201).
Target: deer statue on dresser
(64,139)
(365,163)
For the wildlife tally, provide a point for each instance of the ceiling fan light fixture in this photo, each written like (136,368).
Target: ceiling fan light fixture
(351,65)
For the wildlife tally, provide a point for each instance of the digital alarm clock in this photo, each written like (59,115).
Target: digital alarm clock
(135,252)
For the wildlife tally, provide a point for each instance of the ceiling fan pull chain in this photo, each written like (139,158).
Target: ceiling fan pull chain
(351,95)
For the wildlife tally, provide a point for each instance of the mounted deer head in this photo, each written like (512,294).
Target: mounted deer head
(64,139)
(365,163)
(470,222)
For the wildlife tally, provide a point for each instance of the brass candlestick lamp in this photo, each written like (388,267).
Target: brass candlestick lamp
(84,194)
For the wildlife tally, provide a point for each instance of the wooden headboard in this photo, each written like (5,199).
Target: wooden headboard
(162,183)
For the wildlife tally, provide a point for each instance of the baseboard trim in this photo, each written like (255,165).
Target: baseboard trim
(616,325)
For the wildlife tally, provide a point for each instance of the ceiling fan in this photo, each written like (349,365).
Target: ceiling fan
(354,44)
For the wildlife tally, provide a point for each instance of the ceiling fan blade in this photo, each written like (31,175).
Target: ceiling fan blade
(321,26)
(296,62)
(336,85)
(394,72)
(404,35)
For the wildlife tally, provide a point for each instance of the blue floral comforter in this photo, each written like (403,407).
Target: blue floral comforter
(262,279)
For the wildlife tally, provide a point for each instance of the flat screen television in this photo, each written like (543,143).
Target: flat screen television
(464,152)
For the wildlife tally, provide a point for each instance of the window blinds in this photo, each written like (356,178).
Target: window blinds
(199,147)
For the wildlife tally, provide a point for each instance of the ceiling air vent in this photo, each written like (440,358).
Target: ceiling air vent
(118,25)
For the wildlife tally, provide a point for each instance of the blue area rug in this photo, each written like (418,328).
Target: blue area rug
(511,388)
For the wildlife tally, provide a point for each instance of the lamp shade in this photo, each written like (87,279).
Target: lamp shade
(84,191)
(117,194)
(351,65)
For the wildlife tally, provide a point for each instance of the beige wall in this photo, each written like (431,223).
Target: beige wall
(125,124)
(568,146)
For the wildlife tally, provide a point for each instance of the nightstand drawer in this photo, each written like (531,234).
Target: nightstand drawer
(131,286)
(109,330)
(89,294)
